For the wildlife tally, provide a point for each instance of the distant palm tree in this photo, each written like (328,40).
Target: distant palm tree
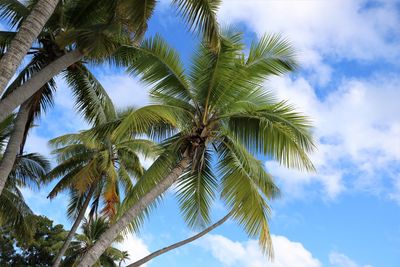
(28,171)
(96,168)
(222,116)
(92,230)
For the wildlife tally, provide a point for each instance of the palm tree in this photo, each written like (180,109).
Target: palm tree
(80,29)
(91,98)
(221,113)
(93,29)
(27,33)
(95,168)
(28,171)
(92,230)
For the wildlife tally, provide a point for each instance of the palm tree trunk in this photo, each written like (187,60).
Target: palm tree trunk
(14,144)
(75,226)
(20,45)
(180,243)
(109,236)
(30,87)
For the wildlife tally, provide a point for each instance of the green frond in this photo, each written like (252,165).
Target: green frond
(157,64)
(272,54)
(42,100)
(145,147)
(136,14)
(91,99)
(277,131)
(196,191)
(96,41)
(75,203)
(143,119)
(13,11)
(211,71)
(30,170)
(15,212)
(201,15)
(242,181)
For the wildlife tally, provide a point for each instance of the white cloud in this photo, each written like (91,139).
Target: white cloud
(125,91)
(136,248)
(247,254)
(340,260)
(339,29)
(357,130)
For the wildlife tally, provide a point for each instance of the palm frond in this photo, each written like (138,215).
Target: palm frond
(272,54)
(195,192)
(30,170)
(136,14)
(92,99)
(157,64)
(13,11)
(202,15)
(143,119)
(243,178)
(275,130)
(15,212)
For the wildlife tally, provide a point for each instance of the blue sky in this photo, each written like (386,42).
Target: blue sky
(346,214)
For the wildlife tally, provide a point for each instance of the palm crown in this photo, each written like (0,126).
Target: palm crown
(218,115)
(28,171)
(92,229)
(106,163)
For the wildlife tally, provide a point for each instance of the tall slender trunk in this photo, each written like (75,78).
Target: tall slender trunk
(75,226)
(20,45)
(109,236)
(30,87)
(14,144)
(180,243)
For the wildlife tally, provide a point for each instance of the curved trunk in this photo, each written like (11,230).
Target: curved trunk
(20,45)
(75,226)
(14,144)
(31,86)
(109,236)
(180,243)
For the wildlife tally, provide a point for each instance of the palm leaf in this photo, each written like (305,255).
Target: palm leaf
(202,15)
(277,131)
(13,11)
(92,99)
(195,192)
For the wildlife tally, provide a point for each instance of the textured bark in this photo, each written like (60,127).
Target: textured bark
(75,226)
(30,87)
(109,236)
(20,45)
(14,144)
(180,243)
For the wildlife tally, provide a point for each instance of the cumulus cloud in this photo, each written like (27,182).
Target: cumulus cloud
(247,254)
(136,248)
(337,29)
(357,129)
(341,260)
(125,91)
(356,121)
